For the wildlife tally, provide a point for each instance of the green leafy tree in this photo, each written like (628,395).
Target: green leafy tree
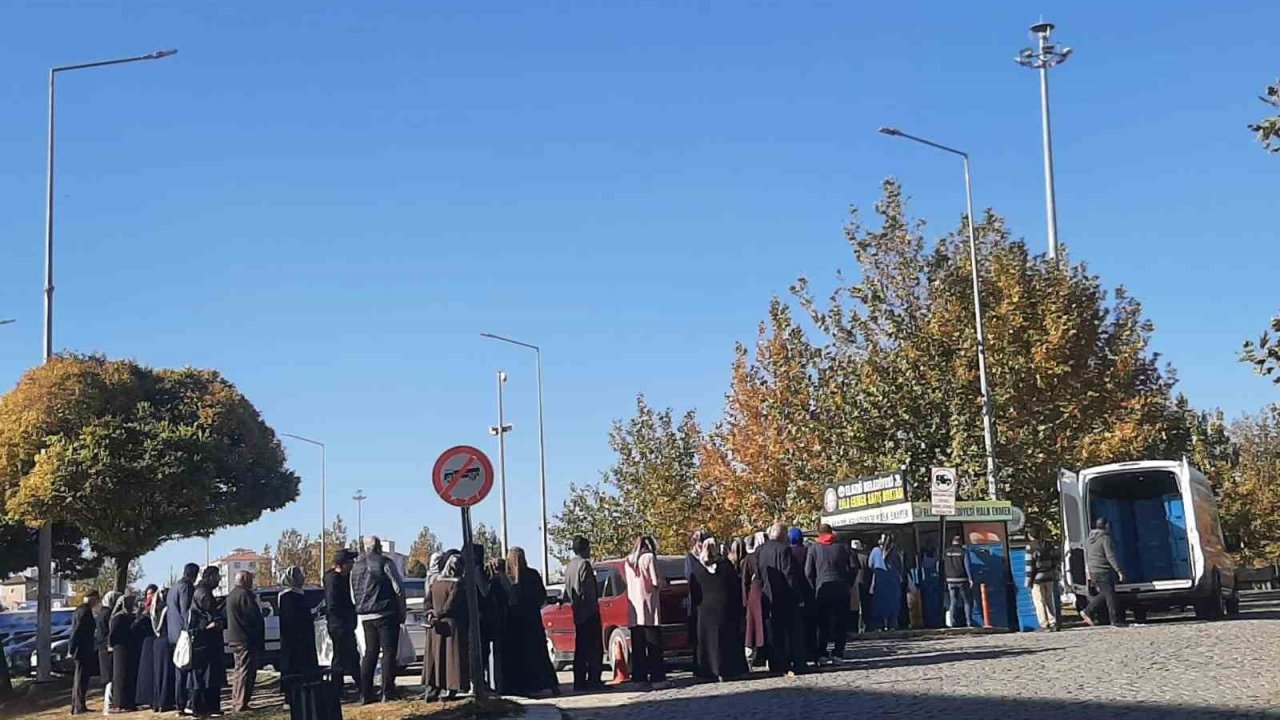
(105,581)
(19,550)
(1268,128)
(489,539)
(1264,355)
(1249,495)
(424,546)
(83,438)
(593,512)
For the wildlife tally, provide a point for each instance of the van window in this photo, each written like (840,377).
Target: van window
(609,583)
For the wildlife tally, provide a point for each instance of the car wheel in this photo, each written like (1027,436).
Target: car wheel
(618,653)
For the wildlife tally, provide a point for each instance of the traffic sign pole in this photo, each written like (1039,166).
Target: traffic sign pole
(469,581)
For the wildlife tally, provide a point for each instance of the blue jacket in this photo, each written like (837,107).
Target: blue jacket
(179,604)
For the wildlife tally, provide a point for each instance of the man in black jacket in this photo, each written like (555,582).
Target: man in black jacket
(783,604)
(1043,563)
(580,591)
(1104,571)
(247,636)
(340,617)
(83,649)
(378,594)
(177,607)
(830,572)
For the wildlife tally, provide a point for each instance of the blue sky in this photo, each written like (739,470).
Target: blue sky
(329,201)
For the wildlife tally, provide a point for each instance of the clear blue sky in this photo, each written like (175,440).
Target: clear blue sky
(328,201)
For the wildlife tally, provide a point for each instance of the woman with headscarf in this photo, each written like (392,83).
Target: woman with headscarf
(720,615)
(208,672)
(644,586)
(124,670)
(164,693)
(146,639)
(886,585)
(101,637)
(753,601)
(445,665)
(526,668)
(737,554)
(297,633)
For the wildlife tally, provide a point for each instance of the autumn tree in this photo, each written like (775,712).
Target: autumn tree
(594,512)
(105,581)
(1268,128)
(134,457)
(1249,496)
(488,539)
(420,552)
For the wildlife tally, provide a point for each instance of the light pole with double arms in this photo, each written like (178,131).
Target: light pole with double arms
(1047,55)
(324,515)
(988,422)
(542,446)
(500,430)
(44,552)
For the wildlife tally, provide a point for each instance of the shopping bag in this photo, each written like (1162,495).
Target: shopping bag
(106,700)
(405,653)
(182,651)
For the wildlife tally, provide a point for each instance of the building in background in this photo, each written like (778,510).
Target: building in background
(244,559)
(18,592)
(399,558)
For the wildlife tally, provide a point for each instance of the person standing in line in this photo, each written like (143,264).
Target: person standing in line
(862,581)
(1104,572)
(446,666)
(527,668)
(208,672)
(298,661)
(719,614)
(829,570)
(340,619)
(246,636)
(886,584)
(959,578)
(161,669)
(783,606)
(799,559)
(82,649)
(177,607)
(146,693)
(691,622)
(120,638)
(644,588)
(582,594)
(753,601)
(1043,566)
(378,593)
(102,642)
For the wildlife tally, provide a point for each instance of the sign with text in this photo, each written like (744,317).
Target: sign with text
(942,490)
(865,493)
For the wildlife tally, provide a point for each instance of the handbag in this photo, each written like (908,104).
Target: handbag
(182,651)
(406,654)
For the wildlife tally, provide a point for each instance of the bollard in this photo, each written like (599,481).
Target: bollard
(986,608)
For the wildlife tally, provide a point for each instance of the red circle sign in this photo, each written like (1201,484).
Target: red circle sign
(463,476)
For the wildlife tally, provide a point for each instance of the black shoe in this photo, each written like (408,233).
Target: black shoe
(432,695)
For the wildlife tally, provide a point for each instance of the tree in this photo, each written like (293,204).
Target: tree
(294,548)
(83,438)
(595,513)
(105,581)
(19,550)
(424,546)
(1268,128)
(1265,354)
(488,539)
(1249,495)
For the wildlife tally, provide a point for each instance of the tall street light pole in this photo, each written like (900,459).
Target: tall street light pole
(542,447)
(360,497)
(1047,55)
(501,430)
(988,423)
(324,515)
(44,560)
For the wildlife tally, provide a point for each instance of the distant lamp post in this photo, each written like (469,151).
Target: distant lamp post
(501,430)
(988,423)
(360,497)
(542,446)
(324,516)
(8,322)
(1042,58)
(44,548)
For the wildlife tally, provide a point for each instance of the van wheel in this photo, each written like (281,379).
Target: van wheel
(1211,607)
(618,651)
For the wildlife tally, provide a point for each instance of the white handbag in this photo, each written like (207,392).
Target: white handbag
(182,651)
(406,654)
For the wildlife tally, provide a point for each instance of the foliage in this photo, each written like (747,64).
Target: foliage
(1265,354)
(1250,494)
(105,581)
(488,539)
(19,549)
(1268,128)
(295,548)
(133,456)
(424,546)
(593,512)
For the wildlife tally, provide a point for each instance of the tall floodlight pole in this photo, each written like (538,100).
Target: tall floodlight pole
(1047,55)
(988,423)
(542,447)
(501,430)
(360,497)
(44,552)
(324,517)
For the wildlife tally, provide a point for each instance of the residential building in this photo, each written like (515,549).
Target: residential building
(244,559)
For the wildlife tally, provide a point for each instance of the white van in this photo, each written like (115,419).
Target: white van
(1164,525)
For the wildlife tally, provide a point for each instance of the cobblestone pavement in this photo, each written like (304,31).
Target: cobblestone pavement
(1173,669)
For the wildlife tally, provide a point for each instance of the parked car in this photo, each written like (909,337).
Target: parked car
(1164,526)
(616,638)
(268,599)
(22,657)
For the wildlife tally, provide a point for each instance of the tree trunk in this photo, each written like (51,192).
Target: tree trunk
(122,571)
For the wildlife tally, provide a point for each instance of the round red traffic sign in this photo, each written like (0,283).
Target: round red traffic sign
(463,476)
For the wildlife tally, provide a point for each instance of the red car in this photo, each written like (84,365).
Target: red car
(616,639)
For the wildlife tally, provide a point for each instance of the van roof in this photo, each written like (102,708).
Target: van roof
(1172,465)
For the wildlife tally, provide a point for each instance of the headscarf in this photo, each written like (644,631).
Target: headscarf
(292,578)
(452,567)
(159,610)
(517,564)
(125,604)
(795,536)
(738,549)
(708,553)
(210,576)
(434,565)
(761,538)
(644,544)
(109,602)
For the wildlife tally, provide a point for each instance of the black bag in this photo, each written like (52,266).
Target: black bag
(313,697)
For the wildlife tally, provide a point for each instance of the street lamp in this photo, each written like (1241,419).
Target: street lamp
(501,430)
(360,497)
(324,516)
(44,553)
(988,423)
(542,447)
(8,322)
(1046,56)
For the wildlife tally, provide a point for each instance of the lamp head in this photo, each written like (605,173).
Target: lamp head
(1042,28)
(890,131)
(161,54)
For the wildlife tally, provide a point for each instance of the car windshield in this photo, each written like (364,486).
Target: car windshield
(415,588)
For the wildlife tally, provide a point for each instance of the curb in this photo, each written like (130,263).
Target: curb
(539,710)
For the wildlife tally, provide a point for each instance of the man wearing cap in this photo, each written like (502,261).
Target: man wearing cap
(340,616)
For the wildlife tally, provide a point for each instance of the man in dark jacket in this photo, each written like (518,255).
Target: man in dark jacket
(1104,572)
(177,607)
(378,594)
(340,617)
(1043,563)
(959,579)
(829,570)
(83,649)
(581,593)
(783,602)
(247,637)
(862,579)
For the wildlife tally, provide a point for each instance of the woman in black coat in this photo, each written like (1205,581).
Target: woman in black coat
(146,640)
(526,668)
(101,635)
(297,633)
(720,614)
(208,672)
(124,646)
(162,672)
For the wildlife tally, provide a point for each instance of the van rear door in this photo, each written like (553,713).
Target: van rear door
(1193,514)
(1075,526)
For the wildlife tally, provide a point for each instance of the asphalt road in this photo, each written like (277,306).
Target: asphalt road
(1172,668)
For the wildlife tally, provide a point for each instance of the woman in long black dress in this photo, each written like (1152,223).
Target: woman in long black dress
(720,614)
(527,668)
(101,637)
(124,669)
(208,672)
(146,640)
(164,698)
(297,634)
